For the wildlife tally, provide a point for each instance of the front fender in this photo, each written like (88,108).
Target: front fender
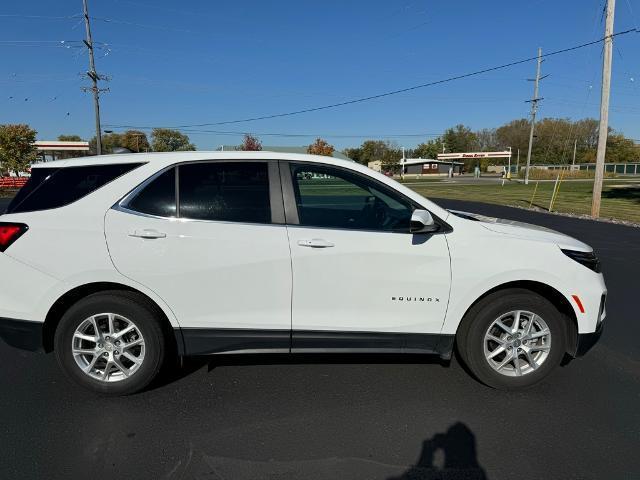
(462,299)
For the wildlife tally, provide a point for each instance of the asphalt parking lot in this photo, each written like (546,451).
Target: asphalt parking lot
(361,417)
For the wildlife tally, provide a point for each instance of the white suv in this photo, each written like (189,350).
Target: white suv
(118,262)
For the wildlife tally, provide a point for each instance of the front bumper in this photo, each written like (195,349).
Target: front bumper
(21,333)
(587,340)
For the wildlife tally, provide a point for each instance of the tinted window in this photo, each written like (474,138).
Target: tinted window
(158,197)
(229,191)
(55,187)
(335,198)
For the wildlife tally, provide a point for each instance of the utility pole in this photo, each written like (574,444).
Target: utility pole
(575,146)
(604,109)
(93,75)
(534,108)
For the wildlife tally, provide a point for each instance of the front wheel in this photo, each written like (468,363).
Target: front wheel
(111,343)
(512,339)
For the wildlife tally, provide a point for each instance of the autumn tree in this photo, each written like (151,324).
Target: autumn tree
(168,140)
(514,134)
(487,140)
(250,144)
(17,149)
(320,147)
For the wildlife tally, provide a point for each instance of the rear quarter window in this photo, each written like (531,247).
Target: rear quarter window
(56,187)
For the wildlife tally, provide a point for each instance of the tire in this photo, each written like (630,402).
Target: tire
(535,357)
(123,360)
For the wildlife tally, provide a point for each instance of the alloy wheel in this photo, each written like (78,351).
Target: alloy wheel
(108,347)
(517,343)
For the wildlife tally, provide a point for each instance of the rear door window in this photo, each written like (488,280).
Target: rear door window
(225,191)
(56,187)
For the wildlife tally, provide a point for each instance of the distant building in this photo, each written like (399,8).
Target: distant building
(376,165)
(47,149)
(428,166)
(336,153)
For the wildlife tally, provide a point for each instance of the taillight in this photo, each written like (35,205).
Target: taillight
(9,233)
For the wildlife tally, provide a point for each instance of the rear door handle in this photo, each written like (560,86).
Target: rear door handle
(147,233)
(315,243)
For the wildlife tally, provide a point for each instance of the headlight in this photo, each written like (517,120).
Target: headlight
(588,259)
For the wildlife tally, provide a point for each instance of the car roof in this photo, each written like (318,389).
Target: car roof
(175,157)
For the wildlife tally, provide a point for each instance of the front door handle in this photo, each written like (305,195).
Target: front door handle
(147,233)
(315,243)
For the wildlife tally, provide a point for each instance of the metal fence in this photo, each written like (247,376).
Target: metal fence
(617,168)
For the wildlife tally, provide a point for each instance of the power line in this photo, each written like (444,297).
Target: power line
(43,17)
(286,135)
(407,89)
(142,25)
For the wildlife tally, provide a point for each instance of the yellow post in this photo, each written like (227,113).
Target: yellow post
(557,190)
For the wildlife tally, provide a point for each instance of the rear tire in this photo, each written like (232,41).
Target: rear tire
(503,357)
(126,352)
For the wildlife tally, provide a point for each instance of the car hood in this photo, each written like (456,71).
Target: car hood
(525,231)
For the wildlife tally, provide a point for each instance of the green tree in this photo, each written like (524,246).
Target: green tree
(135,141)
(354,154)
(109,142)
(372,150)
(460,139)
(320,147)
(429,149)
(621,149)
(376,150)
(69,138)
(167,140)
(17,149)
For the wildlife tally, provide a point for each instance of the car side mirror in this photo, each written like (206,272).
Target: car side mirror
(422,222)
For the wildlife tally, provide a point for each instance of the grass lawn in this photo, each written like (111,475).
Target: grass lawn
(620,200)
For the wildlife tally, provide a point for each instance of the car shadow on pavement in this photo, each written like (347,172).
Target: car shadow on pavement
(188,365)
(447,456)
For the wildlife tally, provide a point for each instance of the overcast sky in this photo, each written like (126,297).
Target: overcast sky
(197,62)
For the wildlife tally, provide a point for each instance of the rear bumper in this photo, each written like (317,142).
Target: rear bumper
(587,340)
(21,334)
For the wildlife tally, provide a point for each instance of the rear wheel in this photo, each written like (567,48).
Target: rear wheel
(111,343)
(512,339)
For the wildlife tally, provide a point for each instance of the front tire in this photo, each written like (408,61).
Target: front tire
(512,339)
(111,343)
